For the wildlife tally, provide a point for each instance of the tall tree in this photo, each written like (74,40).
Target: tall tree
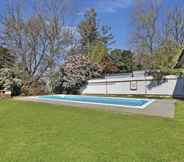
(37,41)
(145,17)
(92,33)
(88,28)
(174,26)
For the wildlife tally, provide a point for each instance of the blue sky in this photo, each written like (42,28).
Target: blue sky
(115,13)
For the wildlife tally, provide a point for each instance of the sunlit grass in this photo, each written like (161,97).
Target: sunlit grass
(35,132)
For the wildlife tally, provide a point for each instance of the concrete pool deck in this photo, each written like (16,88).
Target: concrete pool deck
(159,108)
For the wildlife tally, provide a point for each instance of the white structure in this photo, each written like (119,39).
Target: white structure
(139,84)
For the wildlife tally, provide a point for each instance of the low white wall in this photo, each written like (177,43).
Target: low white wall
(172,85)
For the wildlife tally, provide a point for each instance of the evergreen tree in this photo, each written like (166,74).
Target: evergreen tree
(88,28)
(94,36)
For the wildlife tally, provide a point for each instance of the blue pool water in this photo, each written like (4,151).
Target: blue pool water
(111,101)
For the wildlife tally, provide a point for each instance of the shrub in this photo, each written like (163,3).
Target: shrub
(35,88)
(74,74)
(10,81)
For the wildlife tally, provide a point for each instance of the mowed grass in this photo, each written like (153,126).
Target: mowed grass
(35,132)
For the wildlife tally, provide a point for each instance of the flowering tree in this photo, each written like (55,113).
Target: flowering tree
(75,73)
(9,81)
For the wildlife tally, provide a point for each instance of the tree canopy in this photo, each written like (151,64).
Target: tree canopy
(94,37)
(123,59)
(91,31)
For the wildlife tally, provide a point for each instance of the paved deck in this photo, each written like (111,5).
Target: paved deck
(160,108)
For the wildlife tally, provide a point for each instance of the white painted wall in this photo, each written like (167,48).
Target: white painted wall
(173,85)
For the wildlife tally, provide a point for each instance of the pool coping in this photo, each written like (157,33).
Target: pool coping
(159,108)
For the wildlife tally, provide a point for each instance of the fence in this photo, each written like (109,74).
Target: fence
(170,86)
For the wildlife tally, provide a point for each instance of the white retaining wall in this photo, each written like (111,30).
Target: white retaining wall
(172,85)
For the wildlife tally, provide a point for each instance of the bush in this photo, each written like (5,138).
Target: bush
(74,74)
(35,88)
(10,81)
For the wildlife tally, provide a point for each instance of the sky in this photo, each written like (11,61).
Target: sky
(114,13)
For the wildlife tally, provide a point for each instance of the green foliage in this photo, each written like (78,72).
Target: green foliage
(163,60)
(97,52)
(123,60)
(88,28)
(91,32)
(166,56)
(9,81)
(94,37)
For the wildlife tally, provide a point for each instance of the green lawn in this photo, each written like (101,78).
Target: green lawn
(33,132)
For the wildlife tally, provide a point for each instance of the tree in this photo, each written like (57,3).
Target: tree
(108,66)
(74,74)
(93,35)
(145,17)
(143,61)
(174,26)
(166,57)
(88,28)
(38,41)
(6,59)
(158,35)
(96,52)
(122,59)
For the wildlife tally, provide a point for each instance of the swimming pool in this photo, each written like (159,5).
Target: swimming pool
(106,101)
